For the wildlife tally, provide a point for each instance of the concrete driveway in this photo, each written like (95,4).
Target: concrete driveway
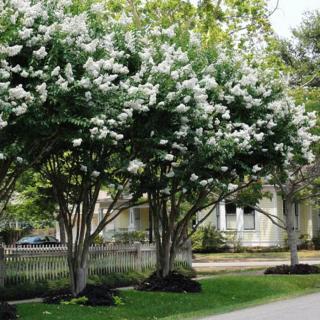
(301,308)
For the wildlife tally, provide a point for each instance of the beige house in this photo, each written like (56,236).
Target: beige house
(133,219)
(252,228)
(248,227)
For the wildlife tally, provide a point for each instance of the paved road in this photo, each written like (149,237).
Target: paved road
(260,263)
(302,308)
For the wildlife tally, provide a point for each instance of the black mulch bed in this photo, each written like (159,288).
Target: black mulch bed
(296,269)
(97,295)
(7,311)
(175,282)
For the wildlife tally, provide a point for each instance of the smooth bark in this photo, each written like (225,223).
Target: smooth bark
(291,232)
(61,230)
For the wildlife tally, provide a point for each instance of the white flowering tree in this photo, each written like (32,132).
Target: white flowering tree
(17,150)
(296,184)
(205,124)
(62,77)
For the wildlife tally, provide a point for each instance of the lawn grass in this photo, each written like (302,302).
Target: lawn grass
(228,256)
(220,294)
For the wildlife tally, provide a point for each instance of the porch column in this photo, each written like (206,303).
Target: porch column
(310,225)
(222,211)
(239,223)
(131,225)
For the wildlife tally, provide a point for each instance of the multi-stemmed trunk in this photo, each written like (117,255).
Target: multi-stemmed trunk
(163,234)
(166,253)
(169,234)
(291,232)
(78,268)
(61,230)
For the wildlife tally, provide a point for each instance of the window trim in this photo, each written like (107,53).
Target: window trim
(231,214)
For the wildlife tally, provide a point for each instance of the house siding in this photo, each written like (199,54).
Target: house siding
(144,219)
(266,233)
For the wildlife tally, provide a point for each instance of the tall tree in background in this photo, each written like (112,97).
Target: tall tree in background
(33,201)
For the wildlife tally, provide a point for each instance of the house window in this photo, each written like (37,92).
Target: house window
(296,216)
(231,216)
(249,222)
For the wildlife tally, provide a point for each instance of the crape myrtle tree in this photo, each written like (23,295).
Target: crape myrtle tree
(62,72)
(298,180)
(205,124)
(18,151)
(296,185)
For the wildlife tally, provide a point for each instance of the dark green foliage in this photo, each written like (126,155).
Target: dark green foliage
(7,312)
(35,203)
(296,269)
(316,242)
(208,239)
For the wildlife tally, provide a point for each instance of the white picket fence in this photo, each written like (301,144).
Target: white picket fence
(32,264)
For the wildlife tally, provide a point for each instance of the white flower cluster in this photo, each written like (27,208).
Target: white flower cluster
(135,166)
(224,111)
(92,61)
(241,109)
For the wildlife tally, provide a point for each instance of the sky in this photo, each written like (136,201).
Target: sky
(289,14)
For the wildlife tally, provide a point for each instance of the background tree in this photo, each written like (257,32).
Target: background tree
(300,59)
(33,202)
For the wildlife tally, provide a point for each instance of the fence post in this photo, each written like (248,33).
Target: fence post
(138,256)
(2,267)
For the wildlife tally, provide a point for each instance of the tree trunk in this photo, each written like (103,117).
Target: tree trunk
(61,230)
(78,268)
(165,258)
(166,253)
(164,263)
(150,227)
(292,236)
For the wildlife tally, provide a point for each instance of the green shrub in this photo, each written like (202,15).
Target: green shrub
(316,242)
(130,237)
(305,243)
(208,239)
(234,242)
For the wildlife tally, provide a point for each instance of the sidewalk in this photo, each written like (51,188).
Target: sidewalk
(232,264)
(306,308)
